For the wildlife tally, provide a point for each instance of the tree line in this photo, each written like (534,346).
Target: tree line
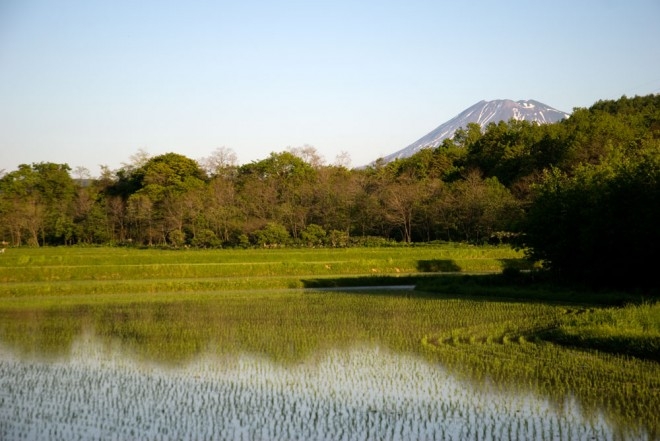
(513,179)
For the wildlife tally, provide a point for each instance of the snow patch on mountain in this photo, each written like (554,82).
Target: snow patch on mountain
(483,113)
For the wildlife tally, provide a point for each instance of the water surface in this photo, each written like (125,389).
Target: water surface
(317,366)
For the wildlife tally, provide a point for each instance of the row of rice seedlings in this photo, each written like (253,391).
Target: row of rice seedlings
(36,290)
(206,270)
(72,262)
(626,390)
(270,323)
(518,328)
(284,326)
(63,256)
(396,319)
(290,327)
(12,293)
(361,393)
(633,330)
(26,257)
(180,270)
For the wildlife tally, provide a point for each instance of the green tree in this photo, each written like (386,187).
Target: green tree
(481,207)
(206,239)
(401,199)
(222,210)
(313,235)
(367,212)
(333,198)
(37,203)
(598,225)
(279,188)
(140,217)
(505,150)
(272,235)
(160,195)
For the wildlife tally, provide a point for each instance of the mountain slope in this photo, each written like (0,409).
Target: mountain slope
(483,113)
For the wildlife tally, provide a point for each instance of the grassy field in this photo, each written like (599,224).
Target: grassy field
(28,272)
(171,306)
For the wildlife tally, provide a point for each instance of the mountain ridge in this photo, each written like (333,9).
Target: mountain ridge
(483,113)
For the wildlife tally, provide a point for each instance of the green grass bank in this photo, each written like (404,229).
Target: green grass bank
(65,271)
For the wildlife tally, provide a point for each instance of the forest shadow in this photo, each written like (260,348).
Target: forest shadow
(476,288)
(632,346)
(371,285)
(429,286)
(438,266)
(516,264)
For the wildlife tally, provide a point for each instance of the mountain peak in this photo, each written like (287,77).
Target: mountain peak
(483,113)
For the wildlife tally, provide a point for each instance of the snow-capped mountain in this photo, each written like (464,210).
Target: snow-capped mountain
(483,113)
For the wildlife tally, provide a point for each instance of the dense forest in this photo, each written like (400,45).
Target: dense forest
(590,181)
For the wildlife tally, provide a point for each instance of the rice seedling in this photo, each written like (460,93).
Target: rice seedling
(247,397)
(293,331)
(180,353)
(58,265)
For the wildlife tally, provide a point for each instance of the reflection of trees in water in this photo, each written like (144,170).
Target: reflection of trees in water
(364,390)
(485,342)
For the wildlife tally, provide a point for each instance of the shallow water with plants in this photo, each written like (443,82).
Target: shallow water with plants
(304,364)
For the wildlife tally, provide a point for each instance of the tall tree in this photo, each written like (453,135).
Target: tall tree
(334,196)
(222,212)
(288,179)
(401,199)
(598,224)
(37,203)
(155,195)
(481,207)
(222,162)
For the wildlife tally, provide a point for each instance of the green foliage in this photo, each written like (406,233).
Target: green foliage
(505,150)
(482,207)
(313,235)
(599,225)
(284,165)
(177,238)
(272,235)
(36,204)
(168,171)
(338,239)
(205,239)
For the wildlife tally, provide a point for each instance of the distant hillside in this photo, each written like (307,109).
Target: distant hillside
(483,113)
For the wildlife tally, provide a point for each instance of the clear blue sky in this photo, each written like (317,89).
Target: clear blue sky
(89,82)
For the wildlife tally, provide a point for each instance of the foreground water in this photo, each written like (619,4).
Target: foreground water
(312,367)
(363,392)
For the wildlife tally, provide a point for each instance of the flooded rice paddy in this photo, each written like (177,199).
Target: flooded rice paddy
(313,366)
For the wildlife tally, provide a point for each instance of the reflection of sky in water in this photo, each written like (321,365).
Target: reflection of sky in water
(361,393)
